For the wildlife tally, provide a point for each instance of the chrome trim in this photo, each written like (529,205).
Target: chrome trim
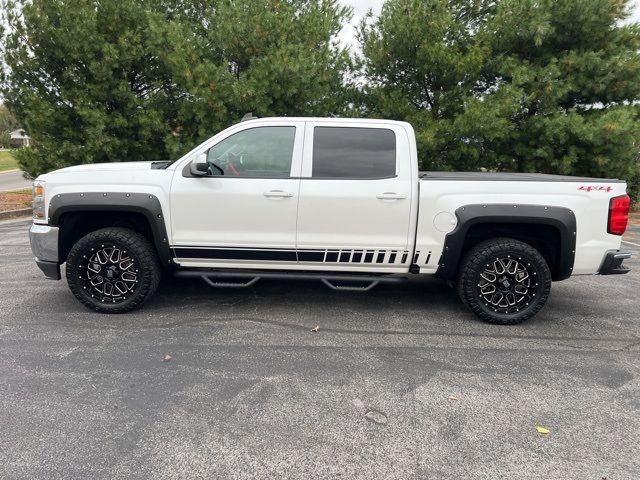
(44,242)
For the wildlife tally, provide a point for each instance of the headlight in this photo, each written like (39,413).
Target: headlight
(38,199)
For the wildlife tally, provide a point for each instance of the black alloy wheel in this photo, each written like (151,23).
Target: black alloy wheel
(504,281)
(113,270)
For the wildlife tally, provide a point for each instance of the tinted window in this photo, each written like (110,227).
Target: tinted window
(256,152)
(341,152)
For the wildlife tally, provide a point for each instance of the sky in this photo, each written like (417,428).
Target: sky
(360,8)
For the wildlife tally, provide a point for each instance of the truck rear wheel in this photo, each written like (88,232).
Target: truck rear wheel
(113,270)
(504,281)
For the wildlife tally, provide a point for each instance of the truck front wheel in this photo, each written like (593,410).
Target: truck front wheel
(504,281)
(113,270)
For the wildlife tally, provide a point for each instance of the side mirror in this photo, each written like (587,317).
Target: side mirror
(199,166)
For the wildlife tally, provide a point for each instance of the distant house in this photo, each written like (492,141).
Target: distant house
(19,139)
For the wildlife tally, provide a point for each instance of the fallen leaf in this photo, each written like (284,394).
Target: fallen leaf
(316,328)
(376,416)
(542,430)
(167,357)
(452,397)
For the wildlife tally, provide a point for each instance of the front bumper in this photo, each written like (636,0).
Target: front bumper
(44,245)
(612,263)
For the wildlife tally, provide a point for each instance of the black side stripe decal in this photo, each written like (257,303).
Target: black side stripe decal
(237,254)
(284,255)
(417,256)
(311,256)
(331,257)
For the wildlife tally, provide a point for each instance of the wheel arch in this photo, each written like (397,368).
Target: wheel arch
(77,214)
(549,229)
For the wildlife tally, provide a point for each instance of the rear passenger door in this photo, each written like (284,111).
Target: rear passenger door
(354,205)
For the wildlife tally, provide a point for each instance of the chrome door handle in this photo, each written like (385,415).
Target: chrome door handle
(277,194)
(390,196)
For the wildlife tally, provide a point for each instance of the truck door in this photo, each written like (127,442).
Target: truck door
(355,205)
(243,213)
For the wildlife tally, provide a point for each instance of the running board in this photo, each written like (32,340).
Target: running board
(247,278)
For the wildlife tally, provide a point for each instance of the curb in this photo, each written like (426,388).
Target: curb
(14,170)
(23,212)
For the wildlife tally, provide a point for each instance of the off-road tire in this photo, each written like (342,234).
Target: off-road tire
(481,257)
(139,249)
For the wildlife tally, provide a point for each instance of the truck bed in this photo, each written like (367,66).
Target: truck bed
(511,177)
(442,194)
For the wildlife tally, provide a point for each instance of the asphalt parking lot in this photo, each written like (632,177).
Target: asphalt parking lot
(400,382)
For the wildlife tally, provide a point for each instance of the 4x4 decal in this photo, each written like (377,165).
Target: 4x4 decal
(591,188)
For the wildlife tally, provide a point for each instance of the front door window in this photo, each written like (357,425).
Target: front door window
(255,152)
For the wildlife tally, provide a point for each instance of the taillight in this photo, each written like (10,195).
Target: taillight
(618,214)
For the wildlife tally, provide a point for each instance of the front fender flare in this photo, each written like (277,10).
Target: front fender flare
(144,203)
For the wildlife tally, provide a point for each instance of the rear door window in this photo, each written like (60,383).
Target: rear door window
(353,152)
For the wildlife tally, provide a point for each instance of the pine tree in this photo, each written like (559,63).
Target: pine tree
(517,85)
(100,81)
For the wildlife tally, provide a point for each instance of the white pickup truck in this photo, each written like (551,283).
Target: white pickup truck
(340,200)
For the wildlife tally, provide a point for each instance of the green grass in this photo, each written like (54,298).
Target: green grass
(7,162)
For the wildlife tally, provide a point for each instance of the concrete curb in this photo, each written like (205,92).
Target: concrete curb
(23,212)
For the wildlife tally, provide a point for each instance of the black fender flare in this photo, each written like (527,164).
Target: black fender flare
(144,203)
(563,219)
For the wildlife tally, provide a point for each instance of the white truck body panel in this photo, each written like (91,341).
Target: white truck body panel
(438,198)
(108,178)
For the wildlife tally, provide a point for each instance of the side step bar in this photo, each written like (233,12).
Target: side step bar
(353,288)
(230,284)
(246,278)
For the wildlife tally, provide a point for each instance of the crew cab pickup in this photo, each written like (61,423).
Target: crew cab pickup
(340,200)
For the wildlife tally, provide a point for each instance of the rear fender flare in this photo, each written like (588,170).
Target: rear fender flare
(563,219)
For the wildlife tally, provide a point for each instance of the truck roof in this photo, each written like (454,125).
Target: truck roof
(324,120)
